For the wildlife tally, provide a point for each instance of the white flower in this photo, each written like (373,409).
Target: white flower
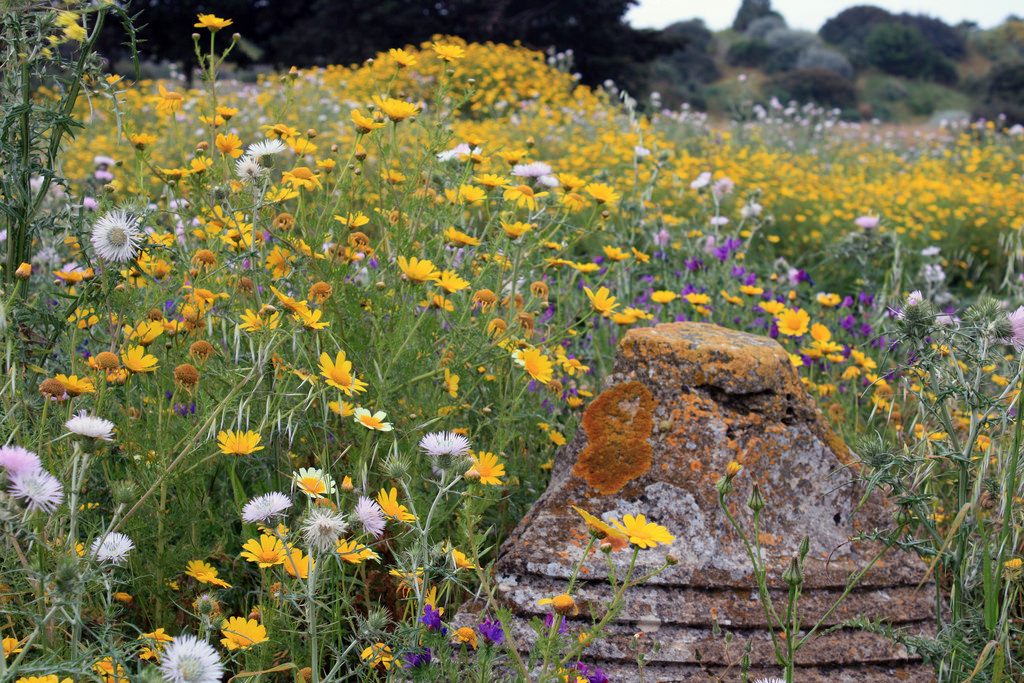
(437,444)
(535,169)
(702,181)
(460,150)
(770,680)
(373,421)
(113,547)
(266,148)
(370,515)
(314,482)
(262,508)
(1016,337)
(190,660)
(91,426)
(37,488)
(248,169)
(116,236)
(323,528)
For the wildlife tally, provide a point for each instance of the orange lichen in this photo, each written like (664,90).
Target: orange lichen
(617,424)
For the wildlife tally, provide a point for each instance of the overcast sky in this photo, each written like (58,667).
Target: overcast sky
(811,14)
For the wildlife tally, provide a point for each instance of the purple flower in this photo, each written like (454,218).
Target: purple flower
(414,659)
(491,630)
(370,515)
(550,619)
(432,619)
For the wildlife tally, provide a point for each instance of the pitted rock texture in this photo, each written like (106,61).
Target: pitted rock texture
(684,400)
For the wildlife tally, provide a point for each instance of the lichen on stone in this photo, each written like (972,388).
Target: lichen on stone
(618,424)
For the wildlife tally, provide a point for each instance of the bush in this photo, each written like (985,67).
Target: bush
(940,35)
(786,46)
(750,11)
(1004,93)
(820,57)
(759,29)
(748,53)
(820,86)
(901,50)
(849,30)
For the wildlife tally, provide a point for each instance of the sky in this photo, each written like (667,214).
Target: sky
(811,14)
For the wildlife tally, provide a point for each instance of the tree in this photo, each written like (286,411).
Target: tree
(849,30)
(1004,93)
(901,50)
(750,11)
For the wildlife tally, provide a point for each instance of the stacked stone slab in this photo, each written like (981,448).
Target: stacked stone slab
(684,400)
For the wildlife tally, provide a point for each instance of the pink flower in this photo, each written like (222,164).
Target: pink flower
(16,460)
(1016,329)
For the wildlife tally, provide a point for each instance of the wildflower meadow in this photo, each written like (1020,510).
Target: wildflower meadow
(285,360)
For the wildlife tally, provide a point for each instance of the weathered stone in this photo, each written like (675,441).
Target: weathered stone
(683,401)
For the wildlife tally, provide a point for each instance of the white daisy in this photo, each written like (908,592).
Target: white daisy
(323,528)
(113,547)
(262,508)
(37,488)
(190,660)
(370,515)
(248,169)
(266,148)
(91,426)
(534,169)
(437,444)
(116,236)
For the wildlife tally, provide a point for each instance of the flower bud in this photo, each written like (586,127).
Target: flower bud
(755,502)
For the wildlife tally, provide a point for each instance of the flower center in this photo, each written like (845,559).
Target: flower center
(118,237)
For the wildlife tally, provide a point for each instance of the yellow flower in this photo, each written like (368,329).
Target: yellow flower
(75,385)
(43,679)
(460,560)
(205,573)
(301,177)
(663,296)
(212,22)
(108,672)
(266,552)
(516,230)
(389,505)
(523,196)
(486,468)
(793,323)
(563,603)
(297,564)
(12,646)
(374,421)
(239,442)
(314,482)
(241,633)
(401,58)
(602,301)
(829,300)
(378,654)
(450,281)
(449,53)
(136,359)
(451,383)
(643,534)
(365,124)
(460,238)
(537,365)
(465,636)
(354,552)
(339,375)
(229,145)
(616,539)
(602,193)
(396,110)
(418,270)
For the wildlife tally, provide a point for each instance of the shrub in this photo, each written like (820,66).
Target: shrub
(763,26)
(820,86)
(849,30)
(786,45)
(748,53)
(750,11)
(901,50)
(940,35)
(820,57)
(1004,93)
